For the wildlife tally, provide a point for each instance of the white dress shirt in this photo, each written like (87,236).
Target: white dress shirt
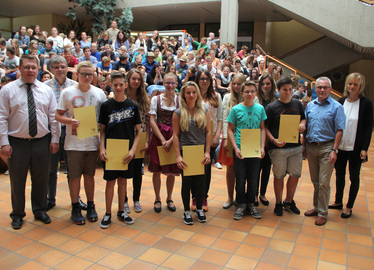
(14,114)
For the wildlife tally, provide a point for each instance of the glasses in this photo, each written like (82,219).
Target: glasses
(170,83)
(204,79)
(30,68)
(61,67)
(323,87)
(249,92)
(84,74)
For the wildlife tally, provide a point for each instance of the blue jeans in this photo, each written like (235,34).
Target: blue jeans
(246,174)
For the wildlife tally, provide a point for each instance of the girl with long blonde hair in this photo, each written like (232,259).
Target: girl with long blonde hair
(191,126)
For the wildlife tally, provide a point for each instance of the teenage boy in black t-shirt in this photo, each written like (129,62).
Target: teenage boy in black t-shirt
(285,157)
(119,116)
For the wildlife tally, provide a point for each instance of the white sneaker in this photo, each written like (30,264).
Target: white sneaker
(6,173)
(127,208)
(137,207)
(218,165)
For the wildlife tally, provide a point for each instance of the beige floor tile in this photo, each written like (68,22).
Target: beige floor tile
(226,245)
(12,261)
(168,244)
(256,240)
(360,262)
(139,264)
(115,260)
(178,262)
(333,256)
(192,251)
(52,257)
(16,243)
(200,265)
(33,250)
(216,257)
(249,251)
(280,245)
(93,253)
(360,250)
(32,265)
(234,235)
(132,249)
(73,263)
(74,246)
(299,262)
(275,257)
(154,255)
(239,262)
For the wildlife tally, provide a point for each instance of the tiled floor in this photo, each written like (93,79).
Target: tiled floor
(163,241)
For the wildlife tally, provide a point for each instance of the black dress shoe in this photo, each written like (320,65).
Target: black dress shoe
(171,208)
(157,209)
(336,206)
(43,217)
(50,206)
(17,223)
(344,215)
(82,205)
(266,203)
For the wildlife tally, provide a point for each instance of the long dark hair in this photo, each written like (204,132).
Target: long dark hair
(211,95)
(124,37)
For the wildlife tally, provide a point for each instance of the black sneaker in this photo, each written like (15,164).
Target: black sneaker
(187,218)
(278,210)
(82,204)
(239,213)
(105,223)
(123,216)
(291,207)
(91,212)
(254,213)
(200,215)
(76,216)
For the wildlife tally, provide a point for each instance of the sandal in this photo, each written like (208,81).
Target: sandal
(157,209)
(171,208)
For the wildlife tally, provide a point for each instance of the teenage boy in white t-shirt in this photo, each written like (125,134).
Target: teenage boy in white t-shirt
(82,154)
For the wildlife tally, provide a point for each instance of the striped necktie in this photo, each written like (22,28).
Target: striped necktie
(33,128)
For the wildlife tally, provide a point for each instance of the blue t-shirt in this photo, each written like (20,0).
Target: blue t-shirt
(100,65)
(246,117)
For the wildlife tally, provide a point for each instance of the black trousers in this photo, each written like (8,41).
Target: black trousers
(246,172)
(33,155)
(196,181)
(137,179)
(208,175)
(264,171)
(355,162)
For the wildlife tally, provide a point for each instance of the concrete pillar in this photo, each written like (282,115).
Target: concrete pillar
(229,21)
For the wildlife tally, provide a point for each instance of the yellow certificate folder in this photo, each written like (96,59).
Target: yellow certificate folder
(193,155)
(250,143)
(166,158)
(141,144)
(289,128)
(87,121)
(116,151)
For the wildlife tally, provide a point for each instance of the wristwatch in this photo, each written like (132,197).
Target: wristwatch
(335,150)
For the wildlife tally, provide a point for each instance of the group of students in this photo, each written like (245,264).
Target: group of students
(171,121)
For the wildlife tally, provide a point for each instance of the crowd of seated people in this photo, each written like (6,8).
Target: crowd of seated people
(115,50)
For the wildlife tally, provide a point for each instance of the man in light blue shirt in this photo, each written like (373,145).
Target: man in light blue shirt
(325,121)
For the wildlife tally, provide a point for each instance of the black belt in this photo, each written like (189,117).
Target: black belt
(319,143)
(28,139)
